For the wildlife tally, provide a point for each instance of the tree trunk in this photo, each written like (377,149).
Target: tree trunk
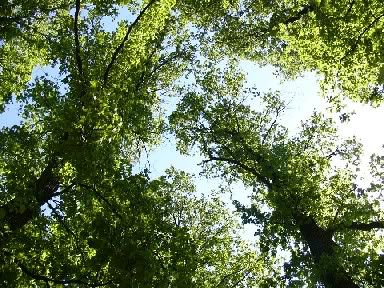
(322,248)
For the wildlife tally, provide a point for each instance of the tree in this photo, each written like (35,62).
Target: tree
(72,211)
(338,39)
(68,119)
(133,233)
(304,202)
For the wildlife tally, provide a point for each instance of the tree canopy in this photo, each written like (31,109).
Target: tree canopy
(301,201)
(340,40)
(91,79)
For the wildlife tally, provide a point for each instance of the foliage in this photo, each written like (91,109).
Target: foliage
(90,78)
(133,232)
(72,211)
(306,200)
(338,39)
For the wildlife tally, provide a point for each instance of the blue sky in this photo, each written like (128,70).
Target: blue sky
(303,95)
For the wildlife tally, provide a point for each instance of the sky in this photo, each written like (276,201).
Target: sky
(303,95)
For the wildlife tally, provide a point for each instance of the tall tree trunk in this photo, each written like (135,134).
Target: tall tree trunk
(322,247)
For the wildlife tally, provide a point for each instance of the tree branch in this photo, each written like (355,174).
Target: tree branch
(62,191)
(62,221)
(125,39)
(278,110)
(336,152)
(304,11)
(227,276)
(366,29)
(44,189)
(366,226)
(79,61)
(251,170)
(44,278)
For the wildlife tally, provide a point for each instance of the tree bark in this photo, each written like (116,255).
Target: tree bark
(322,248)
